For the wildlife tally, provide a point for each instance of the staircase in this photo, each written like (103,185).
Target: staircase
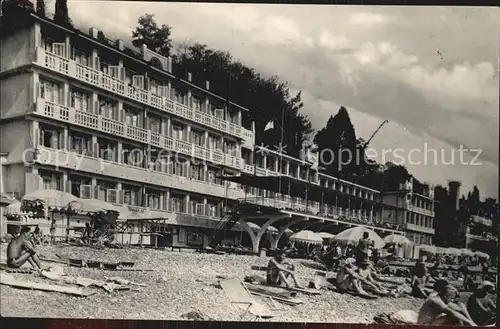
(225,224)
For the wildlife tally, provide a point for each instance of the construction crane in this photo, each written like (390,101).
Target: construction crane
(374,133)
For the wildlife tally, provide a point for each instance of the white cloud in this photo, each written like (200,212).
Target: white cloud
(383,53)
(367,19)
(463,80)
(334,42)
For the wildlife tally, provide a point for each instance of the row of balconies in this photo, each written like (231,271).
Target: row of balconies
(418,228)
(99,79)
(117,128)
(420,210)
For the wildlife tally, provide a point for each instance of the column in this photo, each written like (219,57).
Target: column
(205,137)
(264,161)
(95,146)
(67,47)
(205,210)
(287,168)
(66,98)
(95,59)
(239,118)
(162,201)
(167,199)
(298,172)
(121,115)
(168,127)
(205,172)
(187,203)
(277,165)
(189,98)
(65,145)
(188,133)
(207,105)
(120,152)
(65,182)
(95,103)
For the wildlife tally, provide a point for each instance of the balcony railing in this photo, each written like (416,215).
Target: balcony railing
(420,210)
(110,126)
(99,79)
(84,163)
(418,228)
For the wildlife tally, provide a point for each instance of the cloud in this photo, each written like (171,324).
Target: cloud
(367,19)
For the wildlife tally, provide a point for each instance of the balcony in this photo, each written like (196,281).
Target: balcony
(99,79)
(422,211)
(417,228)
(110,126)
(78,162)
(482,220)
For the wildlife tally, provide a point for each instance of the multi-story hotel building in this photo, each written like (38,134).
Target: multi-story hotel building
(87,116)
(412,212)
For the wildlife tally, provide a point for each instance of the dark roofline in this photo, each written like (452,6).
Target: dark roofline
(86,36)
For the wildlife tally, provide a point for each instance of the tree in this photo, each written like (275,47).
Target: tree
(61,15)
(337,145)
(154,37)
(40,7)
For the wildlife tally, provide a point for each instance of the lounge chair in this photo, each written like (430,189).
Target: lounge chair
(241,299)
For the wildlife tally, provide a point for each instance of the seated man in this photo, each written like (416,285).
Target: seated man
(440,307)
(419,280)
(367,278)
(278,271)
(21,249)
(348,280)
(481,308)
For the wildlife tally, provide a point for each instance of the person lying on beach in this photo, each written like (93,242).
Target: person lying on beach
(481,308)
(347,280)
(21,250)
(279,271)
(440,307)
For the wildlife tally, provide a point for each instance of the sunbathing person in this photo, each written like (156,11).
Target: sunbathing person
(419,280)
(348,280)
(21,249)
(279,271)
(481,308)
(366,276)
(440,307)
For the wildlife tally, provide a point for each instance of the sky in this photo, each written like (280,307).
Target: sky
(432,72)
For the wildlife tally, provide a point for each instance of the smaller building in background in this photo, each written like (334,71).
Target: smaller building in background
(412,212)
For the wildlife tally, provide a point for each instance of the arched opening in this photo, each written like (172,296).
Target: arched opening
(155,62)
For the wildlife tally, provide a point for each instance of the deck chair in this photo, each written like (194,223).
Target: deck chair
(241,299)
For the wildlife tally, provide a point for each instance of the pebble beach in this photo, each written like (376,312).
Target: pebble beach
(180,282)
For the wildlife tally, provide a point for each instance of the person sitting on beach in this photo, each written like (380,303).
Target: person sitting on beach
(366,276)
(481,308)
(348,280)
(279,271)
(440,307)
(419,280)
(21,249)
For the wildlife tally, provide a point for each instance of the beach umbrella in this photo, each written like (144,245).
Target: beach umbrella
(51,198)
(453,251)
(326,235)
(466,252)
(397,239)
(481,254)
(354,234)
(307,236)
(428,249)
(289,231)
(441,250)
(253,226)
(272,229)
(6,199)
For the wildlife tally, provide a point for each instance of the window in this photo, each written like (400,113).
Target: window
(196,103)
(104,67)
(197,138)
(107,150)
(80,101)
(108,109)
(154,86)
(198,172)
(132,117)
(130,197)
(51,180)
(176,204)
(154,124)
(153,199)
(179,168)
(50,138)
(80,57)
(214,143)
(178,96)
(81,144)
(50,91)
(177,132)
